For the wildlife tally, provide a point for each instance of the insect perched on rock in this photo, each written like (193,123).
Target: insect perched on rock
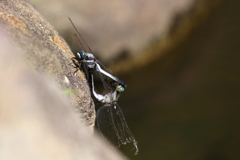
(89,62)
(110,119)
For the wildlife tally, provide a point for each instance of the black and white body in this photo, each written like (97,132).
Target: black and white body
(91,63)
(110,119)
(87,58)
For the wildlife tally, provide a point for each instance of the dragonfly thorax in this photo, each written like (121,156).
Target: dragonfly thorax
(90,64)
(87,58)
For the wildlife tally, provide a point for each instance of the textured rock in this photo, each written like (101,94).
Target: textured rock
(46,52)
(36,121)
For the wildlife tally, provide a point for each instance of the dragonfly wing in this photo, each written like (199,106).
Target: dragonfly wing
(125,134)
(112,121)
(121,124)
(106,125)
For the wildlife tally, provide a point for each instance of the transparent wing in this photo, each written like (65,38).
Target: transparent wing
(106,125)
(117,124)
(121,124)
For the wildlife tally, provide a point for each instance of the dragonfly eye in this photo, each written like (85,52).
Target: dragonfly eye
(82,54)
(120,88)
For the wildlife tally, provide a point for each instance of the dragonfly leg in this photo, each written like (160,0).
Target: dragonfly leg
(75,64)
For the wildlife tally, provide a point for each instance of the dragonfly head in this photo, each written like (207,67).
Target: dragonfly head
(120,88)
(81,54)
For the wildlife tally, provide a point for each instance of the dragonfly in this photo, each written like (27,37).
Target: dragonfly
(90,63)
(110,119)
